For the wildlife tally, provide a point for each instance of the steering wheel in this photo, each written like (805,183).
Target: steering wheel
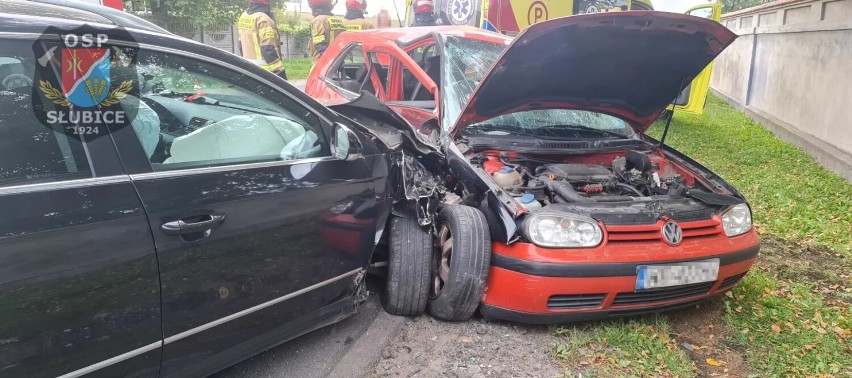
(16,80)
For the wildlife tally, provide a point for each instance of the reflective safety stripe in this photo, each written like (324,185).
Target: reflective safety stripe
(354,27)
(256,43)
(318,39)
(245,23)
(266,32)
(335,27)
(274,67)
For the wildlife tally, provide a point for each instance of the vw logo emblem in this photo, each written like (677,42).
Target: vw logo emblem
(672,233)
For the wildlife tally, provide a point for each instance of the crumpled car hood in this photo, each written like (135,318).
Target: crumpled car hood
(631,65)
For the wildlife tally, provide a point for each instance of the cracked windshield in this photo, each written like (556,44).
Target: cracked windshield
(342,189)
(467,60)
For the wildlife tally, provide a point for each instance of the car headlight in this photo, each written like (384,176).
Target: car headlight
(736,220)
(563,230)
(341,207)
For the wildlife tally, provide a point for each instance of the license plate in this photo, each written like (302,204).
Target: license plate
(656,276)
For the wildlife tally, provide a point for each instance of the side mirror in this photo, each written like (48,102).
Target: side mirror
(346,145)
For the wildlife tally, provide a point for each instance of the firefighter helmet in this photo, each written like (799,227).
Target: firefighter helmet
(358,5)
(320,3)
(424,6)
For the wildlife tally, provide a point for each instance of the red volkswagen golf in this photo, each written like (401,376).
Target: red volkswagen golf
(584,215)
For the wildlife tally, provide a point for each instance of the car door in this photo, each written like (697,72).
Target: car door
(79,287)
(692,98)
(346,76)
(244,196)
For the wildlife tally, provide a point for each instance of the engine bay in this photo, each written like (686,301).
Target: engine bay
(622,187)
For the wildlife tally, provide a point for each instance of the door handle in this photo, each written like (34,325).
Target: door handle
(181,227)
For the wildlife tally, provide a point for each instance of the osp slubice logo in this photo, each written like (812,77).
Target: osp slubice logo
(85,97)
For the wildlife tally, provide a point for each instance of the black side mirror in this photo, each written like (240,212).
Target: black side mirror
(346,145)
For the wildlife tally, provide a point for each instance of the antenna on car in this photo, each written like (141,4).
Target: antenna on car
(671,115)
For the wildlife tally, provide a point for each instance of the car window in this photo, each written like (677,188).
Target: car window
(351,71)
(379,62)
(30,152)
(196,114)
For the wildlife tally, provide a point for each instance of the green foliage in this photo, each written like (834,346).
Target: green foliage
(298,69)
(293,25)
(196,12)
(788,330)
(628,348)
(735,5)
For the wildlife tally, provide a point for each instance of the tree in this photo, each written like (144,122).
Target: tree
(735,5)
(196,12)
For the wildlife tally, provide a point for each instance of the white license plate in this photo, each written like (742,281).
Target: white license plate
(656,276)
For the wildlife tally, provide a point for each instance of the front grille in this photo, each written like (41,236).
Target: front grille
(568,302)
(732,280)
(652,232)
(662,295)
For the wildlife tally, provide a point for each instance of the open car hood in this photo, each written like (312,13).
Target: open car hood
(631,65)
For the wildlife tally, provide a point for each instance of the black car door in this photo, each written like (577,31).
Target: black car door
(248,208)
(79,289)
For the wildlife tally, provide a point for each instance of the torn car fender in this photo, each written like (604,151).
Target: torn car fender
(500,209)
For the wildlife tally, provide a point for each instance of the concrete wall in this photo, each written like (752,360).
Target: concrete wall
(791,70)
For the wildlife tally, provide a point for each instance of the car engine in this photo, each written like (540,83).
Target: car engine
(630,180)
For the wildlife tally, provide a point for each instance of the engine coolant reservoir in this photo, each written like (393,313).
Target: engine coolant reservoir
(507,177)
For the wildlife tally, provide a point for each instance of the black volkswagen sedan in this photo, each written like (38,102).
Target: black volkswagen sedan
(168,209)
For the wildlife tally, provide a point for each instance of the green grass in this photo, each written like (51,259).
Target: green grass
(791,195)
(624,348)
(298,69)
(785,322)
(789,330)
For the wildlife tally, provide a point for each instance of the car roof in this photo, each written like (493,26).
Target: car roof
(25,11)
(406,36)
(58,12)
(116,16)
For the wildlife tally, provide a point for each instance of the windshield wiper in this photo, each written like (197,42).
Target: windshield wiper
(511,129)
(553,128)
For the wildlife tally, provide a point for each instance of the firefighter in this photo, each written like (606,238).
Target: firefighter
(424,13)
(354,18)
(259,39)
(324,27)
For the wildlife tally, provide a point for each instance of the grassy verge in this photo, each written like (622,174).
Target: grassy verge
(791,315)
(629,348)
(298,69)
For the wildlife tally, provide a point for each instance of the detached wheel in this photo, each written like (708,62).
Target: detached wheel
(462,259)
(409,262)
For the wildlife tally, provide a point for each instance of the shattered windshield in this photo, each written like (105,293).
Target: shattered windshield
(555,123)
(466,61)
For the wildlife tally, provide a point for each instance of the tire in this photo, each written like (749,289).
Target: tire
(409,268)
(456,296)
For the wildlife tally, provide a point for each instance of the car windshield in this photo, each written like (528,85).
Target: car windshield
(555,123)
(466,61)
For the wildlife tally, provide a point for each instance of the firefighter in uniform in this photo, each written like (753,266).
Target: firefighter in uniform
(324,27)
(354,18)
(259,39)
(424,13)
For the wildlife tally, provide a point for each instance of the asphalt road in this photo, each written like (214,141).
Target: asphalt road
(348,348)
